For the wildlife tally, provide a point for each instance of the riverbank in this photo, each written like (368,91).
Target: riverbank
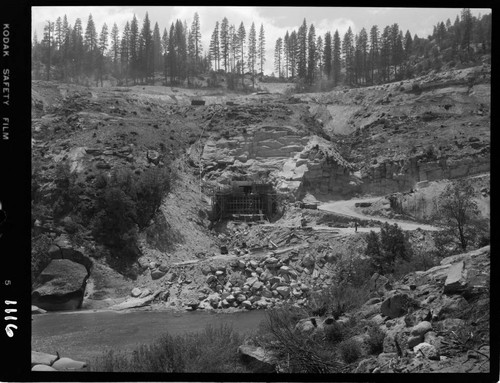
(83,335)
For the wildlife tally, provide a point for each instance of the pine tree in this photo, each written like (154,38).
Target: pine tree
(90,45)
(396,47)
(146,49)
(196,36)
(156,63)
(293,53)
(262,48)
(125,52)
(215,47)
(115,46)
(336,58)
(164,45)
(66,46)
(311,54)
(134,49)
(241,40)
(181,48)
(327,56)
(77,51)
(102,47)
(286,53)
(408,44)
(278,51)
(302,51)
(467,22)
(363,48)
(319,56)
(58,32)
(172,54)
(385,54)
(225,43)
(374,50)
(234,46)
(48,43)
(348,51)
(252,52)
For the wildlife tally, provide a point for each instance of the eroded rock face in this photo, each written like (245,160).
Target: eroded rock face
(60,286)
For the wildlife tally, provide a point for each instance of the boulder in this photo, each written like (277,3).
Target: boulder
(452,307)
(421,328)
(307,325)
(308,261)
(164,268)
(377,283)
(157,274)
(426,350)
(284,291)
(265,276)
(330,258)
(241,298)
(394,306)
(271,260)
(42,358)
(68,364)
(214,299)
(42,367)
(136,292)
(135,302)
(193,304)
(60,286)
(413,340)
(284,270)
(260,360)
(153,157)
(455,282)
(171,276)
(257,286)
(37,310)
(247,304)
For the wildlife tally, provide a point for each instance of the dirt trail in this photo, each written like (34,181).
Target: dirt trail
(346,208)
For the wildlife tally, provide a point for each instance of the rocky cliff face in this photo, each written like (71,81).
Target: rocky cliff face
(379,139)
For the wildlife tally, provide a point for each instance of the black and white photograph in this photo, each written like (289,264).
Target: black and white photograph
(283,192)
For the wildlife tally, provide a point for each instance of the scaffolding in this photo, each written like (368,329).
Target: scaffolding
(245,201)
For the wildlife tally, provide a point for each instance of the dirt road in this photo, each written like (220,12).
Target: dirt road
(346,208)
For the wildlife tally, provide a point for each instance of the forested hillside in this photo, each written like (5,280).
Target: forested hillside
(176,55)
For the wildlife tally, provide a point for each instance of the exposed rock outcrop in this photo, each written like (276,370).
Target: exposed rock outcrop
(60,286)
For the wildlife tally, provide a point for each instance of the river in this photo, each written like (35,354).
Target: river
(83,335)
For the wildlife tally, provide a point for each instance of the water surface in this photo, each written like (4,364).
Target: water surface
(81,336)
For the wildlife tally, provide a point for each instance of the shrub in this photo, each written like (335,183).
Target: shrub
(213,350)
(458,213)
(350,350)
(334,333)
(127,204)
(303,354)
(419,261)
(392,245)
(376,339)
(337,299)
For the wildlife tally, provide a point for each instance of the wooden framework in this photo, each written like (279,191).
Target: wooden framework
(244,201)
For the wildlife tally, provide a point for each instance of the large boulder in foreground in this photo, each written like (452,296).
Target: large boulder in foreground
(60,286)
(259,359)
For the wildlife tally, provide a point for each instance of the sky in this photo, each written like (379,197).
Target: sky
(276,20)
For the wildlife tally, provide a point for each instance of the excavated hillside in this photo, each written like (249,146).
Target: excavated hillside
(329,146)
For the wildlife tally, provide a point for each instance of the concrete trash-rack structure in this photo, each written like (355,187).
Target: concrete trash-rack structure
(245,200)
